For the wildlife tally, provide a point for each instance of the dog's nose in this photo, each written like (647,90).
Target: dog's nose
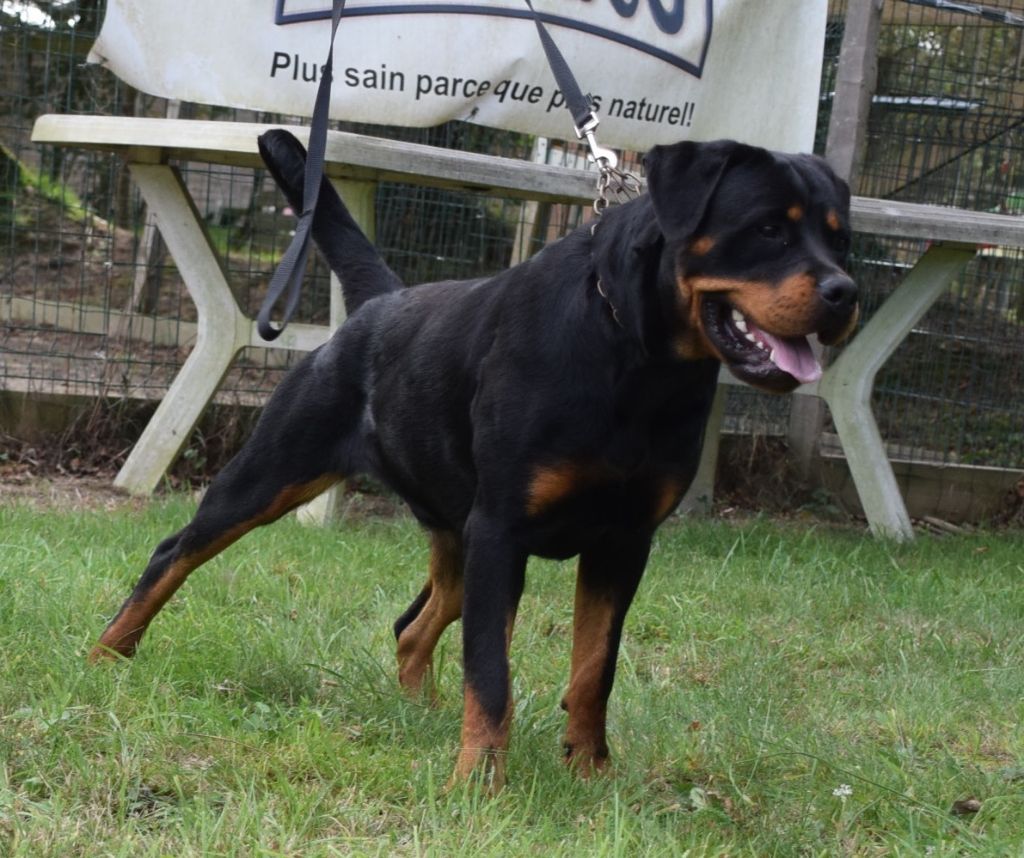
(838,291)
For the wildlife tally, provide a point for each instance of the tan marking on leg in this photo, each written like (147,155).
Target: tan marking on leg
(585,700)
(484,746)
(443,606)
(125,631)
(122,636)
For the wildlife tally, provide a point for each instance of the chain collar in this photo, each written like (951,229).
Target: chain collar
(614,186)
(615,313)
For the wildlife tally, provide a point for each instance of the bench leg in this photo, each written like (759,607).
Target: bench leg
(847,385)
(222,328)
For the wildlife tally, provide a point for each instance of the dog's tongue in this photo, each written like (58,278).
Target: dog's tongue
(793,355)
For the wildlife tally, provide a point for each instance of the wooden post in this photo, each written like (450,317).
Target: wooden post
(522,249)
(856,79)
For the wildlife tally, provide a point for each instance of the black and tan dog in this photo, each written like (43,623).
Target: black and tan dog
(555,409)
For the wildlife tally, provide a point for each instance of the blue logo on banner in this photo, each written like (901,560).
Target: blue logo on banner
(669,17)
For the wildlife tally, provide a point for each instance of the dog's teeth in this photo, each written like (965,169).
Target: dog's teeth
(763,346)
(753,339)
(739,321)
(771,356)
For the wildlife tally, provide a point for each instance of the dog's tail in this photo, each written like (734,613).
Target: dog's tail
(348,251)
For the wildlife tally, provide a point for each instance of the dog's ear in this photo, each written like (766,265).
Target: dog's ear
(822,170)
(681,179)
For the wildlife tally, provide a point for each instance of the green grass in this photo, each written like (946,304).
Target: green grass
(764,665)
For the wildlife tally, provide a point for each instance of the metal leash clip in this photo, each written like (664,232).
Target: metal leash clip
(613,184)
(598,154)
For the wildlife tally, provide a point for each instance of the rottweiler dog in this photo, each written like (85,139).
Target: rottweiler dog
(554,409)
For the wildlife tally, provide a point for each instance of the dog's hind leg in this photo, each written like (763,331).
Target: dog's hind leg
(225,515)
(292,456)
(437,606)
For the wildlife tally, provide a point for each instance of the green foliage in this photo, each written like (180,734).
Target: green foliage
(781,691)
(18,180)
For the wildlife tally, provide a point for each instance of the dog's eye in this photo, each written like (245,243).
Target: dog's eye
(775,232)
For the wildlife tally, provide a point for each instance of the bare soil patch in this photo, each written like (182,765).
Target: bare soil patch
(64,493)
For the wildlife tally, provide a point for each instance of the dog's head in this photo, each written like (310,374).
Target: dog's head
(756,241)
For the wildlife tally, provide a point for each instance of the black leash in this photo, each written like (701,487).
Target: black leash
(287,279)
(580,106)
(611,180)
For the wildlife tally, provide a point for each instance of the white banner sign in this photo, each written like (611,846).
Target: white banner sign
(659,70)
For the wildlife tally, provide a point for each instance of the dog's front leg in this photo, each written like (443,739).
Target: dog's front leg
(493,582)
(606,580)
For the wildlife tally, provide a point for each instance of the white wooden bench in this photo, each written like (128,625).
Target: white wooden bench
(356,163)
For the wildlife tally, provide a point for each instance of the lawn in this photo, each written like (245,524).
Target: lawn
(784,689)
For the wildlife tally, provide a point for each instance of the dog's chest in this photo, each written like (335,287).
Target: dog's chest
(573,504)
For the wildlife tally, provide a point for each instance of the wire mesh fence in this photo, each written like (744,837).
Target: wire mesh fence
(945,128)
(90,301)
(91,304)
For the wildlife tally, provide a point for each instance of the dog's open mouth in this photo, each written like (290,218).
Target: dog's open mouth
(754,355)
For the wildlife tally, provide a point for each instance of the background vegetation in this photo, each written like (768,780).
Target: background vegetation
(945,127)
